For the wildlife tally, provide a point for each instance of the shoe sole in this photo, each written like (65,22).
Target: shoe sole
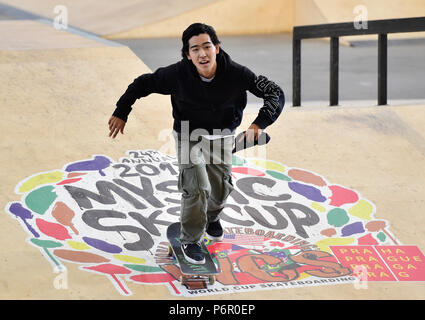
(212,238)
(189,259)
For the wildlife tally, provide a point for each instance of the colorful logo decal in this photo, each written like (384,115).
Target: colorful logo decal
(384,263)
(111,218)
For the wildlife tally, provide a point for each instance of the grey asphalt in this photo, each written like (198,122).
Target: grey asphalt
(271,56)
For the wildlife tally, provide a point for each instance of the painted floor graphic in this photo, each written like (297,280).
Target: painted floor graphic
(281,224)
(383,263)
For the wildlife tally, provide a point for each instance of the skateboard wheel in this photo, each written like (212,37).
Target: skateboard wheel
(212,280)
(182,280)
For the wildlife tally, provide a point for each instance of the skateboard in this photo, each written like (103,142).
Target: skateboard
(264,138)
(190,272)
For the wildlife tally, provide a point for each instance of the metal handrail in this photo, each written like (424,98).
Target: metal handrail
(336,30)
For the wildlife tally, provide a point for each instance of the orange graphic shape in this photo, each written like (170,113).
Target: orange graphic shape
(305,176)
(79,256)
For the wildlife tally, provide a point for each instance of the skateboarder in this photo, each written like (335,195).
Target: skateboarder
(208,95)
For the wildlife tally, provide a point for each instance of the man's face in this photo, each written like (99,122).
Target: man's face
(203,53)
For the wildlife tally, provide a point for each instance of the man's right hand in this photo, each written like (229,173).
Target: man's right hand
(115,125)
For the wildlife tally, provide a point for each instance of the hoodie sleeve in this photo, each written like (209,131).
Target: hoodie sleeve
(271,93)
(162,81)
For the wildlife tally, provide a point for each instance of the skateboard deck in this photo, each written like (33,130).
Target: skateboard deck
(263,139)
(190,271)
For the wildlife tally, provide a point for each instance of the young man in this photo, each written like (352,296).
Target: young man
(208,95)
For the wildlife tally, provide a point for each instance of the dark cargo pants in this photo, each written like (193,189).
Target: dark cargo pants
(205,180)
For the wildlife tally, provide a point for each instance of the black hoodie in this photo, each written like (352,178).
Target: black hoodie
(218,104)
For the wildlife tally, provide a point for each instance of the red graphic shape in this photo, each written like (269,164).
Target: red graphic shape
(248,171)
(68,181)
(155,278)
(342,196)
(244,278)
(277,244)
(282,245)
(51,229)
(219,247)
(357,257)
(293,248)
(406,262)
(367,240)
(109,269)
(305,268)
(112,270)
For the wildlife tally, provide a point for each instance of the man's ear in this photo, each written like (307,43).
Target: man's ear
(188,56)
(217,48)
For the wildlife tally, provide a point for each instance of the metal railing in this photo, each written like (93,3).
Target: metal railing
(336,30)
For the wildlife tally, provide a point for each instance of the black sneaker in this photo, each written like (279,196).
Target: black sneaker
(193,253)
(215,231)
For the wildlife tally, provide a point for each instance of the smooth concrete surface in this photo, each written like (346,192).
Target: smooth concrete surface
(44,38)
(57,103)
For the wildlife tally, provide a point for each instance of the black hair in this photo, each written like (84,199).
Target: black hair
(196,29)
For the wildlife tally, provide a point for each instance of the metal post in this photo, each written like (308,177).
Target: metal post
(382,68)
(334,65)
(296,72)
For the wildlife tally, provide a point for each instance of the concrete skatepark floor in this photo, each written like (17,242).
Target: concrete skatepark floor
(58,105)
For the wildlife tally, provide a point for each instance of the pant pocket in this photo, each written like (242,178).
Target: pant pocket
(227,186)
(193,180)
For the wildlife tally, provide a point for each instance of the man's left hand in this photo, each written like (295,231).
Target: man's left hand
(252,133)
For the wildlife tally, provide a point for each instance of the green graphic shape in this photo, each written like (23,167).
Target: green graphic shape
(381,236)
(40,199)
(140,268)
(45,244)
(337,217)
(278,175)
(237,161)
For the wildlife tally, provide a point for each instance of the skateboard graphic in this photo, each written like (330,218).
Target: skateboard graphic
(204,273)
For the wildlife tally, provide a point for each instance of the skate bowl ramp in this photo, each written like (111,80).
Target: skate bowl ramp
(109,17)
(84,216)
(151,18)
(229,17)
(130,19)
